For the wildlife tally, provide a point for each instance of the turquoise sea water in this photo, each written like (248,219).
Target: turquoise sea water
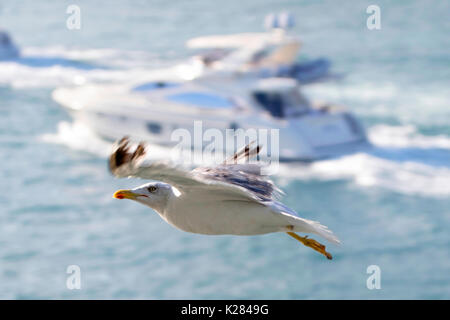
(390,206)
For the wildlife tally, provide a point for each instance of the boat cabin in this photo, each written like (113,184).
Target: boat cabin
(280,97)
(5,40)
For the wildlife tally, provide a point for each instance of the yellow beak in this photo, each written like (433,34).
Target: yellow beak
(125,194)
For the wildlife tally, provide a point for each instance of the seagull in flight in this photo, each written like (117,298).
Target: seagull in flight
(231,198)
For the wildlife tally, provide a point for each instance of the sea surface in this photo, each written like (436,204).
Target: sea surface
(390,206)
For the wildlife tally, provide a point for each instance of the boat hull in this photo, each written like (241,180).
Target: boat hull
(307,139)
(320,132)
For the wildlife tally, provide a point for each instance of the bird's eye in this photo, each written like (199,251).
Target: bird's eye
(151,189)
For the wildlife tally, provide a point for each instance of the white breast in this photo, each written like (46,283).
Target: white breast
(224,217)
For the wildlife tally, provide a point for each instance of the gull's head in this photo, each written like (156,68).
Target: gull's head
(153,194)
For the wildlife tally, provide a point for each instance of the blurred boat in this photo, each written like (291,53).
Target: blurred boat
(242,81)
(261,55)
(258,55)
(153,110)
(8,50)
(274,53)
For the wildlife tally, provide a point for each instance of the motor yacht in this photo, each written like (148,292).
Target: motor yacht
(153,111)
(8,50)
(273,53)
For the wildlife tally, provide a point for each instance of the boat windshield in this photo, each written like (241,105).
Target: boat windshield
(282,104)
(201,99)
(4,39)
(212,56)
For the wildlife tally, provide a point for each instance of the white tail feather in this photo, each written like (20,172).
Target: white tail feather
(318,229)
(301,224)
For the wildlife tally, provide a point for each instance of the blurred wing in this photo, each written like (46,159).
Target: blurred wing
(246,175)
(127,160)
(225,182)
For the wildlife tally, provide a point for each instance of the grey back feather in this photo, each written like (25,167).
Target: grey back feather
(126,161)
(244,175)
(259,185)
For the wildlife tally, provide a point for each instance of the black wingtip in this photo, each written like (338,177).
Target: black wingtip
(245,153)
(122,154)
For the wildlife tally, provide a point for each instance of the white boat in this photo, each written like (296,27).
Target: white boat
(152,111)
(8,50)
(273,53)
(267,54)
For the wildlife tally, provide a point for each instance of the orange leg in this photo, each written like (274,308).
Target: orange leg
(311,243)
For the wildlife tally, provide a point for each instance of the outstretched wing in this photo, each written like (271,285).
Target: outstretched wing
(232,181)
(127,160)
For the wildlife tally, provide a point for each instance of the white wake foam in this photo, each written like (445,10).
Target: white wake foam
(405,136)
(102,56)
(78,136)
(369,171)
(17,75)
(74,67)
(413,103)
